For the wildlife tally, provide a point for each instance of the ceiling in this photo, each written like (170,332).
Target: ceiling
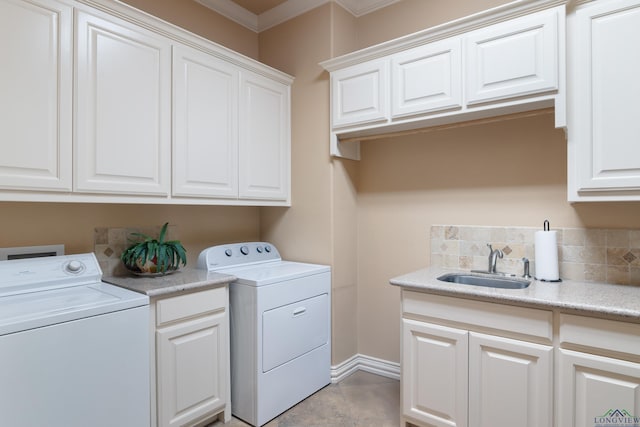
(259,15)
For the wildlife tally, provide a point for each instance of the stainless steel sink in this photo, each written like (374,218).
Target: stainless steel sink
(486,281)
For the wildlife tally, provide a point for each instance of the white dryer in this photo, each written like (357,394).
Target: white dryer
(280,328)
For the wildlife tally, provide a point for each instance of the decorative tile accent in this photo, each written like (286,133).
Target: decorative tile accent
(590,255)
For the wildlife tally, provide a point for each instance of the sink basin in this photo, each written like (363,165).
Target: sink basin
(486,281)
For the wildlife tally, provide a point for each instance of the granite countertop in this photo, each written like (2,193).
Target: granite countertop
(183,280)
(616,302)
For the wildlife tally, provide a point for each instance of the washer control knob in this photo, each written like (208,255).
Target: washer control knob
(228,252)
(259,249)
(244,250)
(74,266)
(267,248)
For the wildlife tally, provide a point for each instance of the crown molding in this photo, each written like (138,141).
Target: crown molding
(287,10)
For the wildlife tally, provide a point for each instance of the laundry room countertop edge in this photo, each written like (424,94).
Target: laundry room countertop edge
(181,281)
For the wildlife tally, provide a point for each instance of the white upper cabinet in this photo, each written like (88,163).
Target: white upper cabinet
(509,59)
(265,138)
(513,58)
(123,107)
(35,105)
(205,125)
(604,130)
(104,103)
(360,94)
(427,78)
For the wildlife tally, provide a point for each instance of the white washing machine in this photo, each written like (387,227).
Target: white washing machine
(280,328)
(74,350)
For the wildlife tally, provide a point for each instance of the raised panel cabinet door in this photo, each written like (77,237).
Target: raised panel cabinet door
(427,78)
(510,382)
(513,58)
(205,143)
(36,95)
(434,374)
(604,130)
(597,391)
(123,107)
(192,369)
(360,94)
(265,138)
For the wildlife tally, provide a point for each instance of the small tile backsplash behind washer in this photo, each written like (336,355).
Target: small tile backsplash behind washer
(588,255)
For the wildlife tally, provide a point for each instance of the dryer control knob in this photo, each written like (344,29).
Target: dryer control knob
(259,249)
(244,250)
(228,252)
(267,248)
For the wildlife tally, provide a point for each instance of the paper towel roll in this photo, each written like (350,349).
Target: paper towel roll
(546,248)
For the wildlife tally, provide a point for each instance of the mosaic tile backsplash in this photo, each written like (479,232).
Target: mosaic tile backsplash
(588,255)
(110,242)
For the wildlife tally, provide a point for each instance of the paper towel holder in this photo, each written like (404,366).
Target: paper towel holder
(546,226)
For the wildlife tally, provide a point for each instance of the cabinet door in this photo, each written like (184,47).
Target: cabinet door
(434,374)
(191,369)
(265,138)
(205,144)
(427,78)
(360,94)
(510,382)
(604,130)
(597,391)
(123,107)
(36,87)
(514,58)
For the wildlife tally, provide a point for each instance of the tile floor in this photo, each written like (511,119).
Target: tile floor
(360,400)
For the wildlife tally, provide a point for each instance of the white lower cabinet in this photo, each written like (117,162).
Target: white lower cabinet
(434,374)
(510,382)
(455,376)
(595,388)
(599,372)
(192,358)
(481,364)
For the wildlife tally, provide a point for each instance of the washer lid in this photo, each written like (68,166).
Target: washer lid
(38,309)
(272,272)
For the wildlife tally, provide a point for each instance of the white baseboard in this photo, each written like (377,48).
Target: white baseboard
(360,362)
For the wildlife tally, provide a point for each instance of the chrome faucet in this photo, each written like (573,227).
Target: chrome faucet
(493,258)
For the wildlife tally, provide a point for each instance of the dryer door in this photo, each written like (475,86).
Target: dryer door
(293,330)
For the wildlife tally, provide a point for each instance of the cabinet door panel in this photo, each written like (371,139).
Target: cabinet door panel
(123,108)
(427,78)
(264,146)
(514,58)
(434,374)
(359,94)
(510,382)
(36,87)
(205,146)
(191,370)
(605,130)
(593,388)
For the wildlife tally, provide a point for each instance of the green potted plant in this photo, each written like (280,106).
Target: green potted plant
(149,256)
